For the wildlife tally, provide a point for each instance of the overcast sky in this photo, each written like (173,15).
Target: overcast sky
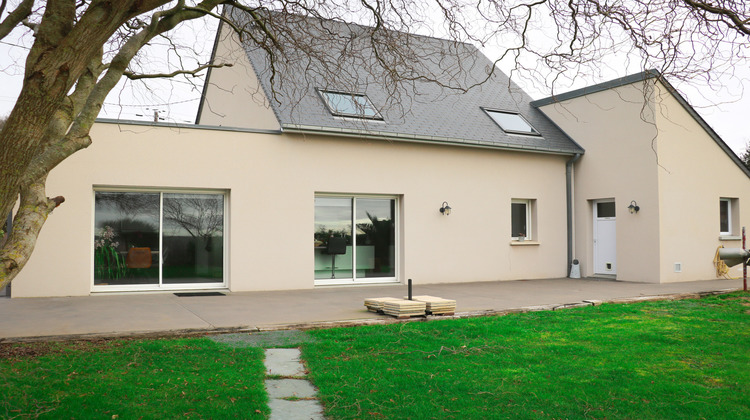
(726,110)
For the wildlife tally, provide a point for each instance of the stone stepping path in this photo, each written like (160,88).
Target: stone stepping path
(293,396)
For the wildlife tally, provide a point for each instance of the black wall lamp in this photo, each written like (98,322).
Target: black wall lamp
(445,209)
(634,207)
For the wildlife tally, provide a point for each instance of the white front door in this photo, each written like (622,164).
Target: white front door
(605,238)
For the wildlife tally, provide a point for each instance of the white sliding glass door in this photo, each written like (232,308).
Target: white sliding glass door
(355,239)
(152,240)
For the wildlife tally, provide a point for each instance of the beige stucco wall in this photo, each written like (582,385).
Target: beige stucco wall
(618,133)
(661,157)
(695,173)
(272,181)
(234,98)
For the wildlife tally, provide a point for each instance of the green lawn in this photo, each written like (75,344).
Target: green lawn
(686,359)
(177,378)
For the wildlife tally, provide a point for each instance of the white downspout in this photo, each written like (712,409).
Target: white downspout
(569,199)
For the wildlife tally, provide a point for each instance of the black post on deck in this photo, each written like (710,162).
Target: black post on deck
(409,285)
(744,264)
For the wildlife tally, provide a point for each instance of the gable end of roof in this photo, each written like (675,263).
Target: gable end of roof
(640,77)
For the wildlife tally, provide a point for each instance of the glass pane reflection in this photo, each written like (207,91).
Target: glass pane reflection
(518,214)
(376,238)
(333,220)
(126,238)
(605,209)
(193,238)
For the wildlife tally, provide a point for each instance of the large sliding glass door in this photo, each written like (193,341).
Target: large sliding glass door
(151,240)
(193,238)
(355,239)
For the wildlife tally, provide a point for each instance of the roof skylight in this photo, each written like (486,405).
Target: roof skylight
(512,122)
(350,105)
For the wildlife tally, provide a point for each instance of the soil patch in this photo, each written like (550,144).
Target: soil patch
(17,351)
(265,339)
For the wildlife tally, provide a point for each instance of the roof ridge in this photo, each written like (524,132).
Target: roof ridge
(341,20)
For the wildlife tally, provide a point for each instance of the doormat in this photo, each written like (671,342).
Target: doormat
(190,294)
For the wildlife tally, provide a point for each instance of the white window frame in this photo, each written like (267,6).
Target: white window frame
(160,287)
(529,226)
(396,247)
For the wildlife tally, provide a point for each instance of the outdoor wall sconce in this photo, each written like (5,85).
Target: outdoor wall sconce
(445,209)
(634,207)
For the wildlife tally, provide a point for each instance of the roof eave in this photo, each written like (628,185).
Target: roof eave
(622,81)
(413,138)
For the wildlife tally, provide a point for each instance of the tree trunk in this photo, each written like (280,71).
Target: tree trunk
(32,213)
(60,55)
(60,58)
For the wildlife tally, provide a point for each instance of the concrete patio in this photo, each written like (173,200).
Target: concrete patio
(108,315)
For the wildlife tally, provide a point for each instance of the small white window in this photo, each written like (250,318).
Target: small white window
(512,122)
(728,216)
(350,105)
(520,219)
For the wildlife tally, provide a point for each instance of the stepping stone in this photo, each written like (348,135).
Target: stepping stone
(286,388)
(284,362)
(302,410)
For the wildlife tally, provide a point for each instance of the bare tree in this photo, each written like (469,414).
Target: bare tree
(81,49)
(745,156)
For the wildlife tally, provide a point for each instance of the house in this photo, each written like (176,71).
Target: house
(311,181)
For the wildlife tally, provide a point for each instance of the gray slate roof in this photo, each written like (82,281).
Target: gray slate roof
(446,109)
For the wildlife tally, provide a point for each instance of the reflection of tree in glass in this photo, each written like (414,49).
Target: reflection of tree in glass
(200,216)
(129,203)
(322,233)
(133,216)
(377,232)
(130,230)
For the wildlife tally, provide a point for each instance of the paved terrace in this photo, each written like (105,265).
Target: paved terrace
(109,315)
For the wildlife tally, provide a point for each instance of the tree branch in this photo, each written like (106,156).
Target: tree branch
(740,24)
(87,99)
(132,76)
(15,17)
